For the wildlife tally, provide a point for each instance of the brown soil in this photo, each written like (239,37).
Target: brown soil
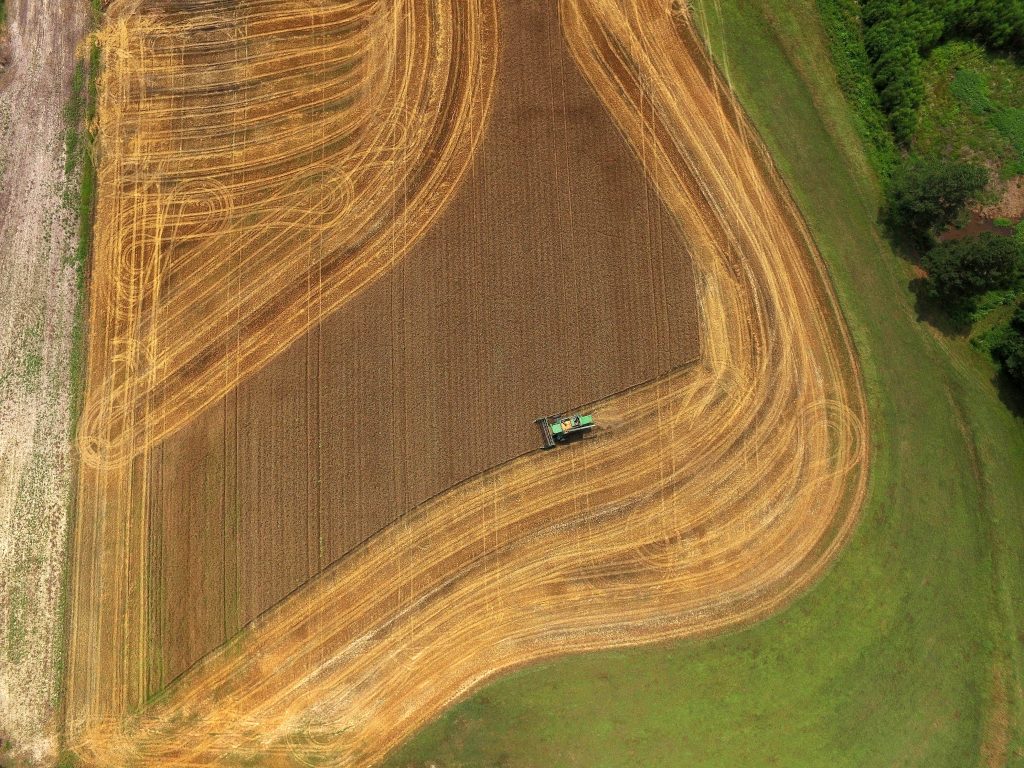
(996,735)
(1011,200)
(555,278)
(976,225)
(983,218)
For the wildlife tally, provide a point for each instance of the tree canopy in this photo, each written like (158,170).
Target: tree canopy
(926,194)
(960,269)
(1010,350)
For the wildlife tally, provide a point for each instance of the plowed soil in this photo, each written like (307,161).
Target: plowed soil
(554,278)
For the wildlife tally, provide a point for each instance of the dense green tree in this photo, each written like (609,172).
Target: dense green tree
(960,269)
(1010,350)
(996,23)
(926,194)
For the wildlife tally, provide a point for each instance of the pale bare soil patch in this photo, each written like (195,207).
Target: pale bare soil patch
(37,305)
(1011,200)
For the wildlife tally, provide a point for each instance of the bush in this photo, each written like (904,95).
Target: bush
(926,194)
(842,21)
(1009,121)
(969,88)
(962,269)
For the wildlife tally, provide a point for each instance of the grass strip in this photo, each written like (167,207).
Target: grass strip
(80,195)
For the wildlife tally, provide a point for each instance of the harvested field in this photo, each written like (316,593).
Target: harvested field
(204,269)
(709,497)
(228,222)
(418,383)
(505,310)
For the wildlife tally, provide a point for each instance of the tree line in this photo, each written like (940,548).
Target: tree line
(925,196)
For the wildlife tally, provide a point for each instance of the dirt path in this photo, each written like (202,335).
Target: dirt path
(709,498)
(996,735)
(37,297)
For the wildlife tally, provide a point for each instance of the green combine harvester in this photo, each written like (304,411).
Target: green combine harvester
(559,429)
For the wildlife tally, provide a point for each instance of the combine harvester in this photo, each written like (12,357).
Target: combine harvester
(560,429)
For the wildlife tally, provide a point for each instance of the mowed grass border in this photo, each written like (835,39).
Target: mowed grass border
(80,146)
(898,655)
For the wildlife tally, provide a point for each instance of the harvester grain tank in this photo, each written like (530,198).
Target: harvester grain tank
(560,429)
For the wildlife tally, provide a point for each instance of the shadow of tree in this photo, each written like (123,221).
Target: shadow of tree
(1011,393)
(952,322)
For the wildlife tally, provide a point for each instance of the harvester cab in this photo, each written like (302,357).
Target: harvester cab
(560,429)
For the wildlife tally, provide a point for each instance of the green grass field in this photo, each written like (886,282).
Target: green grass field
(906,648)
